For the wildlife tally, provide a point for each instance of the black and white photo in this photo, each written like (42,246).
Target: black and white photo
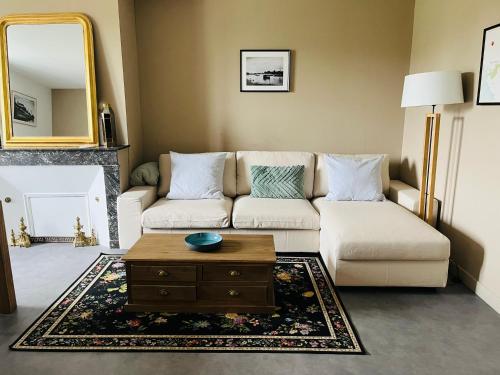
(23,109)
(265,70)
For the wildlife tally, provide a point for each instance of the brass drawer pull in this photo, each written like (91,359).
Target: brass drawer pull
(233,293)
(234,273)
(8,199)
(164,292)
(162,273)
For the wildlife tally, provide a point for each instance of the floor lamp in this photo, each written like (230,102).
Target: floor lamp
(431,89)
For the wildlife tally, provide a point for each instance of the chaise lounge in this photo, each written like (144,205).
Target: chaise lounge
(362,243)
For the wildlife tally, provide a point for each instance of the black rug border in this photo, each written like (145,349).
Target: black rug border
(197,351)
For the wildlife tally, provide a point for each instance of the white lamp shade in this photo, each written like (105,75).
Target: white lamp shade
(432,88)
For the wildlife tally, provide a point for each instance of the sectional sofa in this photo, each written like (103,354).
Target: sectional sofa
(361,243)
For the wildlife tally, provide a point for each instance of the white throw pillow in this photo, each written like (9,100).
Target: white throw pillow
(354,179)
(197,176)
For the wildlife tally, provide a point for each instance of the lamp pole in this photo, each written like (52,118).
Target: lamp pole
(429,152)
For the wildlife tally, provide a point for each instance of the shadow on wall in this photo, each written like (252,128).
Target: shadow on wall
(452,167)
(411,173)
(104,83)
(470,249)
(473,251)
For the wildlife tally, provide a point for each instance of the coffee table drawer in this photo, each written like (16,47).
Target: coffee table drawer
(234,295)
(235,273)
(163,273)
(163,293)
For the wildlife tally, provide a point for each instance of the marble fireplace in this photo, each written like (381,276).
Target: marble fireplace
(49,187)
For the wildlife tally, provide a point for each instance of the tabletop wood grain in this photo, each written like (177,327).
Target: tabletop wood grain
(235,248)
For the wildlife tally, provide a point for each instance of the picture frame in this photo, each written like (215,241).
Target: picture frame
(488,92)
(265,70)
(24,109)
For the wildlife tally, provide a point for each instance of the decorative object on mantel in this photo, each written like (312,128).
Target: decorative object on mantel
(424,89)
(265,70)
(24,239)
(107,127)
(80,239)
(488,92)
(90,316)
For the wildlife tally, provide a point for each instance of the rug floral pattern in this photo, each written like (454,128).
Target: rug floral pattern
(90,316)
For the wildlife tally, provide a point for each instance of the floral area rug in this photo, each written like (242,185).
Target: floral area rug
(89,316)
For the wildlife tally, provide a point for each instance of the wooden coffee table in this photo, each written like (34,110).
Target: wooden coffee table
(164,275)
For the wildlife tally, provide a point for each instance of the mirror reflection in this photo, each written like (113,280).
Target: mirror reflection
(47,80)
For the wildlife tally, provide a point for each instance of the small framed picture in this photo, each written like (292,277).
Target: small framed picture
(23,109)
(488,92)
(265,70)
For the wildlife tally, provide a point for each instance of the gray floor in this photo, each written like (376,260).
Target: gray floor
(406,331)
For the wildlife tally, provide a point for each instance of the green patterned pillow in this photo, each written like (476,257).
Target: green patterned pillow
(278,182)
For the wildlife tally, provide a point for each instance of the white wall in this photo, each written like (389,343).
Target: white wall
(43,97)
(50,197)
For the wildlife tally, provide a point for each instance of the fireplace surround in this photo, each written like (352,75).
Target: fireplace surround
(111,177)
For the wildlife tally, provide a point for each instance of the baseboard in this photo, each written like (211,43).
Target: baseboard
(482,291)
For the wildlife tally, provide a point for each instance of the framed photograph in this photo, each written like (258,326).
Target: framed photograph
(265,70)
(23,109)
(488,92)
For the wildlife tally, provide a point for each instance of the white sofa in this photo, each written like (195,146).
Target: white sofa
(361,243)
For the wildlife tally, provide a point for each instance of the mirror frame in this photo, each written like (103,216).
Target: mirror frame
(9,139)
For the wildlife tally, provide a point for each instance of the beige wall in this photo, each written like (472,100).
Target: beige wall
(447,35)
(349,60)
(131,80)
(69,113)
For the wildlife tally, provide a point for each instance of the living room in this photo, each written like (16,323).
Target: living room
(265,186)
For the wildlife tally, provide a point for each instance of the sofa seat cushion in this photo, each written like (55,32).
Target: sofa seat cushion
(378,231)
(272,213)
(202,213)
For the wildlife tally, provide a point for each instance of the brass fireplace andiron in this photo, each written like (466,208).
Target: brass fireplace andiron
(24,239)
(80,239)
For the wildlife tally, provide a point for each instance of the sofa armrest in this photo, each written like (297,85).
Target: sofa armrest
(131,205)
(409,197)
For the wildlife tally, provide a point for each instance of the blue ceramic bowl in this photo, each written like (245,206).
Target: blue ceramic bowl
(204,241)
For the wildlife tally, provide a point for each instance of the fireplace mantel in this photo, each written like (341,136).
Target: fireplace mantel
(114,162)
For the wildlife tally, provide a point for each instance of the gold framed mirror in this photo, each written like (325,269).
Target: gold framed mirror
(48,90)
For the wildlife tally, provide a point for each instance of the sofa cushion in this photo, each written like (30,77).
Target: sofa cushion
(229,175)
(354,179)
(203,213)
(378,231)
(145,174)
(272,213)
(278,182)
(245,159)
(197,176)
(321,173)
